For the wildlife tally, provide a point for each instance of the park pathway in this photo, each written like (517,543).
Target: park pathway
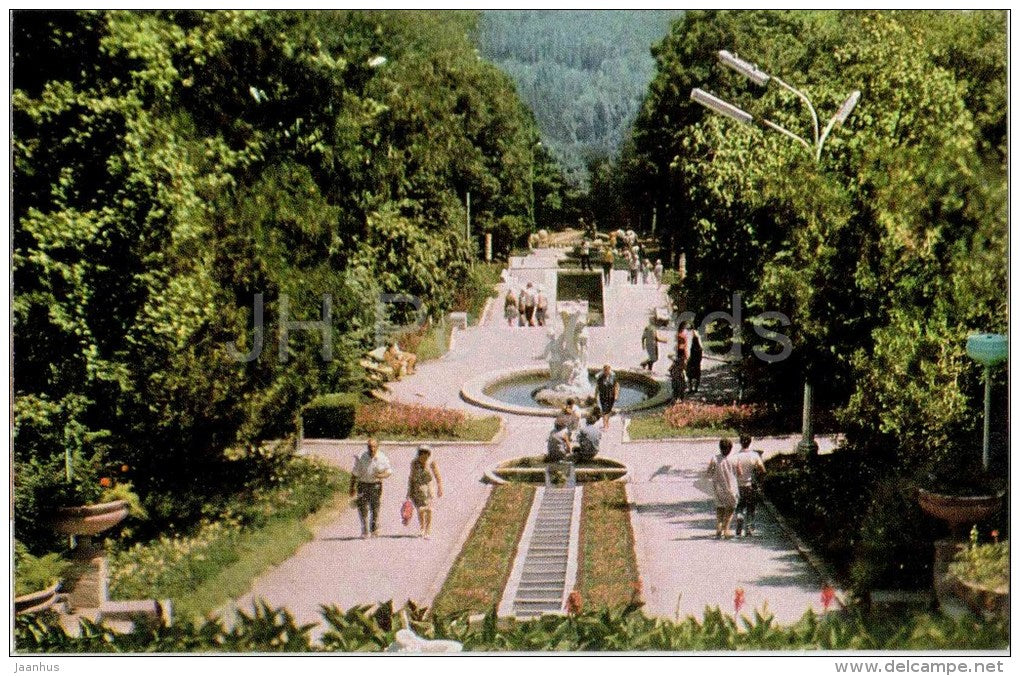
(678,557)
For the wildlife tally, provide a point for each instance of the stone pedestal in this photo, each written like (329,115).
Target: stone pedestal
(945,551)
(87,579)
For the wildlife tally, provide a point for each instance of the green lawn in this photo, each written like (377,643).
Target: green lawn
(609,573)
(476,581)
(656,427)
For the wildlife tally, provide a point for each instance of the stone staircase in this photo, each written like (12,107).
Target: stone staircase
(545,569)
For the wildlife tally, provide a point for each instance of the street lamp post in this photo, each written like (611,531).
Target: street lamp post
(807,445)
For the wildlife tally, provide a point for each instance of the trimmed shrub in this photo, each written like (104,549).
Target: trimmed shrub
(330,416)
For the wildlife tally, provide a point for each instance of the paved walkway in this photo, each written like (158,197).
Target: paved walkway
(673,522)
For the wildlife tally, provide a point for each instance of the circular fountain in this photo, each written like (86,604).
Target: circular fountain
(542,391)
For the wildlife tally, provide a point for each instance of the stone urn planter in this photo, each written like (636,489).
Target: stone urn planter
(36,601)
(88,519)
(959,511)
(982,600)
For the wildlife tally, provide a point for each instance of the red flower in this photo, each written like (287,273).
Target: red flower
(738,599)
(828,596)
(124,468)
(106,482)
(995,535)
(573,606)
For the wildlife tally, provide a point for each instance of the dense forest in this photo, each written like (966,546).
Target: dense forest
(172,168)
(583,73)
(884,254)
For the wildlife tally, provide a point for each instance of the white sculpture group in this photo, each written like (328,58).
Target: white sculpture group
(567,355)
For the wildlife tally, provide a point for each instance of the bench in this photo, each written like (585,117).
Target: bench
(376,367)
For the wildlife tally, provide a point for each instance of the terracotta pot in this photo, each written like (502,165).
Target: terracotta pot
(957,510)
(982,599)
(36,601)
(89,519)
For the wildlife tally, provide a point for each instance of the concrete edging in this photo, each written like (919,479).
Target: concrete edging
(821,568)
(506,602)
(573,547)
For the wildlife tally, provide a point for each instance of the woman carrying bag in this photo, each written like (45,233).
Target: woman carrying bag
(419,488)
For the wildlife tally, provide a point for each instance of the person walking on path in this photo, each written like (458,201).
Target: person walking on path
(635,265)
(646,272)
(541,307)
(527,304)
(608,389)
(724,485)
(607,264)
(694,354)
(511,310)
(370,469)
(657,271)
(678,375)
(750,469)
(419,488)
(585,254)
(650,340)
(588,437)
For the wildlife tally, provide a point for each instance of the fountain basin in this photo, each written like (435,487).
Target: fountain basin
(512,390)
(532,470)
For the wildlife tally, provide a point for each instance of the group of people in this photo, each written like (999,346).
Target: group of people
(570,436)
(735,482)
(372,467)
(685,371)
(530,307)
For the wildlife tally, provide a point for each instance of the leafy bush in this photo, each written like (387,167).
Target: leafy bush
(409,419)
(986,565)
(709,416)
(35,573)
(330,416)
(365,629)
(173,565)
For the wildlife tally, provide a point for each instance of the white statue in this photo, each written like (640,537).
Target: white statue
(568,358)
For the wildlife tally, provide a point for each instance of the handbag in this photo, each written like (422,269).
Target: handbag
(406,512)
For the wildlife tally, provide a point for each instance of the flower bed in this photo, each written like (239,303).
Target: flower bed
(709,416)
(396,421)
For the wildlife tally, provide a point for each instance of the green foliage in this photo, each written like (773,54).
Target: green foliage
(886,252)
(330,416)
(364,629)
(193,162)
(260,524)
(35,573)
(582,72)
(985,565)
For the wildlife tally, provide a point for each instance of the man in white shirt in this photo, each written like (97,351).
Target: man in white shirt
(750,469)
(370,469)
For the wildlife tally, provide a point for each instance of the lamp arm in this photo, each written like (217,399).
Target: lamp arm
(786,132)
(805,99)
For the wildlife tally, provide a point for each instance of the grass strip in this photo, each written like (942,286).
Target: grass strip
(609,572)
(476,580)
(656,427)
(484,428)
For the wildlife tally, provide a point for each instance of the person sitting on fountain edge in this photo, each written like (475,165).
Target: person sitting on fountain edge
(558,446)
(589,436)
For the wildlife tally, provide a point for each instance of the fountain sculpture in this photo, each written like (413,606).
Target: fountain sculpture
(568,359)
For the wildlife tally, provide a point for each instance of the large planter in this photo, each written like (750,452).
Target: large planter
(959,511)
(36,601)
(982,600)
(88,519)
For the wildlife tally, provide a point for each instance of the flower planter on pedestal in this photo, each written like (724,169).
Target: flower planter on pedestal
(960,512)
(36,601)
(87,579)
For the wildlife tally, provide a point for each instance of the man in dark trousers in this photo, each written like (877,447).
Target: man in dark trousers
(750,470)
(370,468)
